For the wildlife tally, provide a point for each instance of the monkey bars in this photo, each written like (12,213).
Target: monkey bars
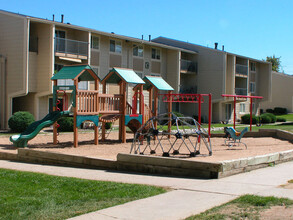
(243,96)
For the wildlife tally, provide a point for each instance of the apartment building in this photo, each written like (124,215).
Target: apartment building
(282,92)
(32,49)
(220,72)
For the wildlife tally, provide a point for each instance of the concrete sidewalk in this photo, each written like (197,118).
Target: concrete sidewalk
(188,197)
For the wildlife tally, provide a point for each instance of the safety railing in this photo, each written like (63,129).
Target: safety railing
(241,69)
(111,104)
(63,45)
(86,102)
(188,66)
(240,91)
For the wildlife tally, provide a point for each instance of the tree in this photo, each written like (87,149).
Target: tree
(276,63)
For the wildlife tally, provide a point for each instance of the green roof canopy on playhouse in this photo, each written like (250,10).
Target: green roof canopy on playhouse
(118,74)
(82,72)
(157,82)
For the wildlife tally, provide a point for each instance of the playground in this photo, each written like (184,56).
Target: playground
(157,143)
(111,148)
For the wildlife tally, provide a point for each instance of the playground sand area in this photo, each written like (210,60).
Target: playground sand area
(111,147)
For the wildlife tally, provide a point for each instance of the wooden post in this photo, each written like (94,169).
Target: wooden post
(120,110)
(123,129)
(141,102)
(155,105)
(169,110)
(75,130)
(103,107)
(151,102)
(55,141)
(96,109)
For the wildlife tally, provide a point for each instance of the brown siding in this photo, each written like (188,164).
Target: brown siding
(95,58)
(138,64)
(115,60)
(156,67)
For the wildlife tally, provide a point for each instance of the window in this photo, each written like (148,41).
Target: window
(156,54)
(115,46)
(252,67)
(242,107)
(95,42)
(252,87)
(137,50)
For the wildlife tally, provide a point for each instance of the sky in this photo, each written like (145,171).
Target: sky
(252,28)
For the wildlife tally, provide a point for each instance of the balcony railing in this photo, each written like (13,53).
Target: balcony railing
(67,46)
(240,91)
(241,69)
(188,66)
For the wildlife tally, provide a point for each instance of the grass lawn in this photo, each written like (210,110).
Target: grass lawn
(26,195)
(288,117)
(244,207)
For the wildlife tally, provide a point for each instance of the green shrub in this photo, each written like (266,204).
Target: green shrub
(178,114)
(265,119)
(269,110)
(245,119)
(280,119)
(19,121)
(66,124)
(280,111)
(108,125)
(272,116)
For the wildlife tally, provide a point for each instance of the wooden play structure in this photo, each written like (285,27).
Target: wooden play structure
(90,105)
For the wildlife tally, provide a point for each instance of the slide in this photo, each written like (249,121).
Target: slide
(20,140)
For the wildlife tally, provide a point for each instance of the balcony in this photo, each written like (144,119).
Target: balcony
(33,44)
(240,91)
(71,48)
(188,90)
(188,66)
(241,70)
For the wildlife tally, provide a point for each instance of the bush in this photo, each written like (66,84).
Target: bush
(280,119)
(19,121)
(265,119)
(268,118)
(245,119)
(108,125)
(66,124)
(178,114)
(280,111)
(269,110)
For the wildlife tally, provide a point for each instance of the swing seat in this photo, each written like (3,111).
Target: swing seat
(235,136)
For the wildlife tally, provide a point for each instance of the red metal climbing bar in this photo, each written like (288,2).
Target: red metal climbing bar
(243,96)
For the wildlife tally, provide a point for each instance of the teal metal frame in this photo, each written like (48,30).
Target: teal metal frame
(82,118)
(128,118)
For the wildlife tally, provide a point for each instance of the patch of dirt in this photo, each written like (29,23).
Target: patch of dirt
(277,213)
(233,211)
(289,185)
(111,147)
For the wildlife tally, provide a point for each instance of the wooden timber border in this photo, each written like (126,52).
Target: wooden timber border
(163,165)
